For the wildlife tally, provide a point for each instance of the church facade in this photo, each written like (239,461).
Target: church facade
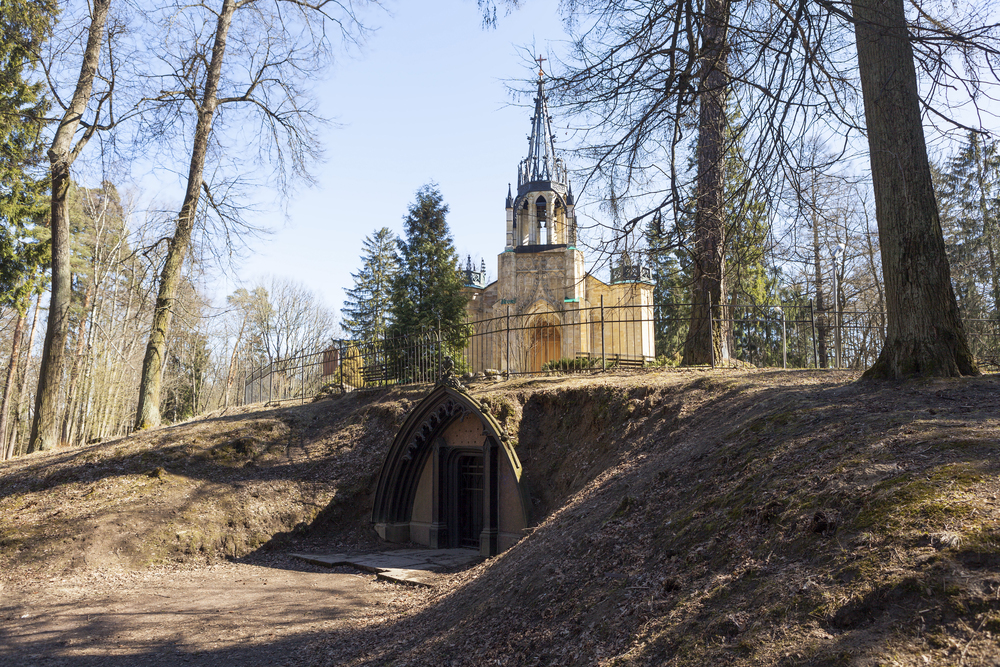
(556,308)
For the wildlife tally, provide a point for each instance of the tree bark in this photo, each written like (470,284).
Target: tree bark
(148,408)
(708,285)
(924,334)
(62,153)
(7,448)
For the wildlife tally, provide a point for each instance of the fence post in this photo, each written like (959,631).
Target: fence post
(784,344)
(812,320)
(711,331)
(836,316)
(604,359)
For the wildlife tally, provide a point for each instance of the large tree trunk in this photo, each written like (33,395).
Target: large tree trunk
(7,450)
(62,153)
(148,408)
(708,290)
(924,334)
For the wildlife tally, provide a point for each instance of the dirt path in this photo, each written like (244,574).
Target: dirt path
(246,614)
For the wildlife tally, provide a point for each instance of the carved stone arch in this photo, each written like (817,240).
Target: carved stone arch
(427,489)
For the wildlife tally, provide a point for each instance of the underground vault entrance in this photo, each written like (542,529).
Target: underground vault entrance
(451,479)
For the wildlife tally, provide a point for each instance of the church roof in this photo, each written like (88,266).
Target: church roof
(542,169)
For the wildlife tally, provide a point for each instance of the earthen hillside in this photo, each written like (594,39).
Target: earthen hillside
(682,518)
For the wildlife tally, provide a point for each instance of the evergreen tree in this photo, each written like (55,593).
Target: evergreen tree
(749,281)
(969,192)
(24,26)
(427,291)
(671,271)
(367,309)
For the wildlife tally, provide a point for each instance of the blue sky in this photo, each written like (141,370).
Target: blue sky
(427,99)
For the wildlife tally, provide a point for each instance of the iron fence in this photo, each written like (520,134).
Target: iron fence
(592,339)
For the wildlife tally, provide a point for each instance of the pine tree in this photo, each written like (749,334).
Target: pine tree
(427,291)
(367,309)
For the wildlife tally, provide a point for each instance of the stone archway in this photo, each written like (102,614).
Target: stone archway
(451,479)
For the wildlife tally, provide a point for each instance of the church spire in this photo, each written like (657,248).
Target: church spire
(541,165)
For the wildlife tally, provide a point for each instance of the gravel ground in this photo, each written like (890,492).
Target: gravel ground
(262,612)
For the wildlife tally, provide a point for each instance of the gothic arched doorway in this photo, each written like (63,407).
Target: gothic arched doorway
(451,479)
(545,344)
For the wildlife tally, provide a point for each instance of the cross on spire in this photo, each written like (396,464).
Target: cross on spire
(540,60)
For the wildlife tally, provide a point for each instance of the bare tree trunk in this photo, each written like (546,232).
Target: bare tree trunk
(22,384)
(924,335)
(72,401)
(62,153)
(232,362)
(709,227)
(85,406)
(148,409)
(821,320)
(7,447)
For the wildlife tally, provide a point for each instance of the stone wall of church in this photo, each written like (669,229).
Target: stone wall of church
(555,313)
(627,328)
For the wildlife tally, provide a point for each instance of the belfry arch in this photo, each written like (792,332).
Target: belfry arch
(451,479)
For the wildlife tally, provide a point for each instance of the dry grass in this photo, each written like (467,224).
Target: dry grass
(683,518)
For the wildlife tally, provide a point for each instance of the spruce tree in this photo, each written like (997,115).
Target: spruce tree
(367,309)
(427,291)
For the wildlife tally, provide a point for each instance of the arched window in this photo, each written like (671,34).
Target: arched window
(540,210)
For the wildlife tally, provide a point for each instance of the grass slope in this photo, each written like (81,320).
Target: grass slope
(684,518)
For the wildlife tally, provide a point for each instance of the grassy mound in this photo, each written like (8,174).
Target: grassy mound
(217,487)
(682,518)
(758,518)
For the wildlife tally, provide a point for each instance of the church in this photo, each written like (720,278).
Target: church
(452,476)
(557,309)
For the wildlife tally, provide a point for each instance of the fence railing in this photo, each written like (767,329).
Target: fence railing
(592,339)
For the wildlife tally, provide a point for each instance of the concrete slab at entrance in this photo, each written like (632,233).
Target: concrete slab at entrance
(407,566)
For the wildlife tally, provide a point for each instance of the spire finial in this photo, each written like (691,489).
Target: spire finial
(540,60)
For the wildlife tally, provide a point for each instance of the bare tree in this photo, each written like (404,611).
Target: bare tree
(252,57)
(285,320)
(66,146)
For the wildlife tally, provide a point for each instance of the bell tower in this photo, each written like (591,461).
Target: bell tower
(542,306)
(542,213)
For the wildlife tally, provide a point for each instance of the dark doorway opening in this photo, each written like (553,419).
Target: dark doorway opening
(470,499)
